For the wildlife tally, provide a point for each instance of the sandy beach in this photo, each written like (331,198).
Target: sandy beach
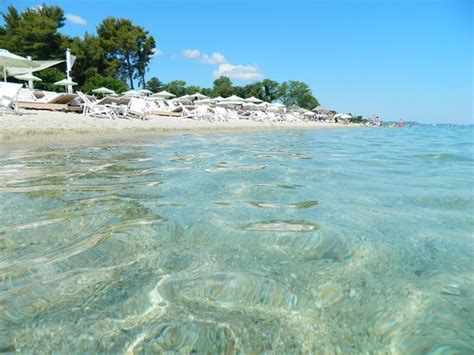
(46,125)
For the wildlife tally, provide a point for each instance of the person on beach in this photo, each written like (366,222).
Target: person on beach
(400,123)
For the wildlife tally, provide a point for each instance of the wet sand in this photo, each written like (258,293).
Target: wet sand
(44,126)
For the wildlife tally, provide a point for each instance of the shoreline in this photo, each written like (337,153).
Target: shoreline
(41,126)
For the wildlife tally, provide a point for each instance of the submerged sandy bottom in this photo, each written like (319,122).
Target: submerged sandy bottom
(45,125)
(317,242)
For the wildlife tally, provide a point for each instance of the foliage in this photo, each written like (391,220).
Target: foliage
(90,59)
(222,87)
(98,81)
(50,76)
(177,87)
(33,32)
(193,89)
(155,85)
(131,45)
(297,93)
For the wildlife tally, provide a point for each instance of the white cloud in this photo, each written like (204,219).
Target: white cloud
(238,72)
(157,52)
(215,58)
(75,19)
(192,53)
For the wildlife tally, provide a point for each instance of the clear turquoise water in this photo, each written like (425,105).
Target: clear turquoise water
(337,241)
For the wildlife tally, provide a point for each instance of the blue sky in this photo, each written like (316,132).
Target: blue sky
(397,59)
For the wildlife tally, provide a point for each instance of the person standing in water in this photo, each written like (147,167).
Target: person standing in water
(400,123)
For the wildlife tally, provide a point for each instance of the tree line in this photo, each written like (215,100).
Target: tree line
(117,57)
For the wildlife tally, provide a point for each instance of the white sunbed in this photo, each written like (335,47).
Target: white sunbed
(93,109)
(9,97)
(137,108)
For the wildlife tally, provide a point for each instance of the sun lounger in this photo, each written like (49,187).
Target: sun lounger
(137,108)
(26,95)
(93,109)
(48,100)
(9,97)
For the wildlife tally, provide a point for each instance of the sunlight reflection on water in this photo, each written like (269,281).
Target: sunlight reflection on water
(339,241)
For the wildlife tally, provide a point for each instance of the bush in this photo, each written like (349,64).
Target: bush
(49,76)
(98,81)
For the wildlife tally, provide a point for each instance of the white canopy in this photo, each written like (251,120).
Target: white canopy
(8,60)
(42,64)
(131,93)
(65,82)
(234,98)
(199,96)
(254,100)
(103,90)
(145,92)
(163,94)
(27,77)
(218,98)
(184,98)
(204,101)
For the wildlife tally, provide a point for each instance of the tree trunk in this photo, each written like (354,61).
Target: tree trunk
(130,71)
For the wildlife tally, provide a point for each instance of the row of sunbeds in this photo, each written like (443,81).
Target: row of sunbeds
(13,97)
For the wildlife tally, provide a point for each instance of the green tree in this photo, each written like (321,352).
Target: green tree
(254,89)
(266,90)
(155,85)
(90,59)
(49,76)
(297,93)
(193,89)
(128,44)
(34,32)
(222,87)
(177,87)
(98,81)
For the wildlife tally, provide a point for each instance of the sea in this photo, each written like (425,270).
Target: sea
(332,241)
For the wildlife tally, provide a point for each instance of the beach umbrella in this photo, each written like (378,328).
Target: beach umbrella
(103,91)
(8,59)
(218,98)
(199,96)
(145,92)
(163,94)
(132,93)
(234,98)
(27,77)
(204,101)
(254,100)
(65,82)
(184,98)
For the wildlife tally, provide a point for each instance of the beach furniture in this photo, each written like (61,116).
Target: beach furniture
(137,108)
(90,108)
(48,100)
(9,97)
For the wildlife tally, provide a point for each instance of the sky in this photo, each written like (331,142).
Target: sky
(409,59)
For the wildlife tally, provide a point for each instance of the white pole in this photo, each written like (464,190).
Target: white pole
(30,82)
(68,69)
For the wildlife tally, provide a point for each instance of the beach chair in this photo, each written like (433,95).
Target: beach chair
(137,108)
(9,97)
(93,109)
(26,95)
(187,113)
